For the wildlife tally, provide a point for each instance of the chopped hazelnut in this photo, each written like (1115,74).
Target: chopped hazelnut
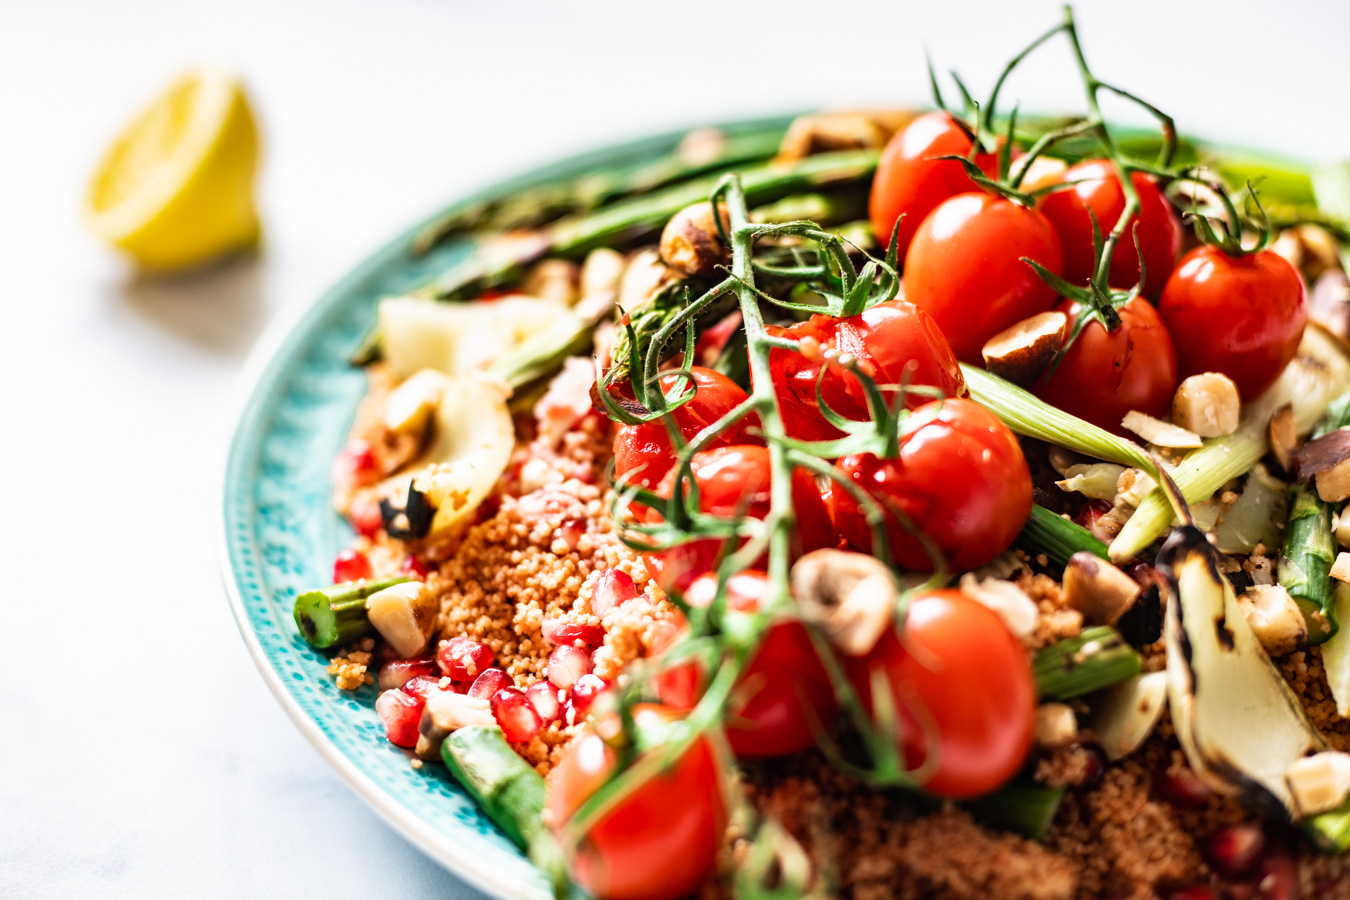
(1207,404)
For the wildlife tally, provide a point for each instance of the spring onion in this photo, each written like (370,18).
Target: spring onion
(332,616)
(1097,658)
(1306,562)
(1057,537)
(1331,185)
(1020,807)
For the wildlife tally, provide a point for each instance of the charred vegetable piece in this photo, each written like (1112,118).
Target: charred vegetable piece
(1126,714)
(332,616)
(1019,807)
(1238,721)
(1097,658)
(1057,537)
(508,790)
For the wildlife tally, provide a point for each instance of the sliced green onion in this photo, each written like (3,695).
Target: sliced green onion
(1097,658)
(1019,807)
(1030,416)
(1305,565)
(1057,537)
(1331,185)
(332,616)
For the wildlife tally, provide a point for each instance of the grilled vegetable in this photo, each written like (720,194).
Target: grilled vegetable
(405,616)
(1126,714)
(1057,537)
(332,616)
(1238,721)
(1306,563)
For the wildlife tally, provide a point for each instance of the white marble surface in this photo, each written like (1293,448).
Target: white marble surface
(140,754)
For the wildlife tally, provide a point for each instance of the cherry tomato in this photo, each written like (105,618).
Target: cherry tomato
(965,269)
(1105,374)
(958,675)
(960,479)
(1098,190)
(1242,316)
(642,453)
(912,180)
(896,339)
(734,481)
(784,692)
(660,841)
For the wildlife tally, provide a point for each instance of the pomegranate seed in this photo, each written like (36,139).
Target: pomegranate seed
(350,565)
(1183,789)
(1094,769)
(1232,851)
(1195,892)
(1277,877)
(420,686)
(567,634)
(463,658)
(516,715)
(356,464)
(587,688)
(414,567)
(488,683)
(365,516)
(543,696)
(571,531)
(566,665)
(613,588)
(400,714)
(395,674)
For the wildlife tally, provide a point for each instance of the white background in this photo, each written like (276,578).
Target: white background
(140,754)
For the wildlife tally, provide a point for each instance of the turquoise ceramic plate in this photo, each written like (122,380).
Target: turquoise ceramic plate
(280,536)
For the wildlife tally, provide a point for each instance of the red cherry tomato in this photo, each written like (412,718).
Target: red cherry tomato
(1098,190)
(784,692)
(896,339)
(956,675)
(1241,316)
(659,842)
(965,268)
(734,481)
(642,453)
(1105,374)
(912,179)
(960,479)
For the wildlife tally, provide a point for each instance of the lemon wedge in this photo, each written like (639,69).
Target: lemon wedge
(176,187)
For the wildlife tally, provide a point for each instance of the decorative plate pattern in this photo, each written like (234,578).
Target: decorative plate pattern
(280,535)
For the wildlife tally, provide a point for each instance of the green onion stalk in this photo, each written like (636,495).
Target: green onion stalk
(1057,537)
(1309,549)
(336,615)
(1097,658)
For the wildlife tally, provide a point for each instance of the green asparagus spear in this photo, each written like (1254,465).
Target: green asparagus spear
(1097,658)
(1057,537)
(541,204)
(509,791)
(638,216)
(332,616)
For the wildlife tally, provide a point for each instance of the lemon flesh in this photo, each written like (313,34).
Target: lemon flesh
(176,187)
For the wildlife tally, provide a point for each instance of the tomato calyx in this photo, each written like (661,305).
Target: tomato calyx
(1220,224)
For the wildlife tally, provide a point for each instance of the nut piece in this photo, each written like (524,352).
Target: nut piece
(645,275)
(1340,569)
(691,243)
(601,272)
(823,132)
(553,279)
(1283,435)
(404,615)
(1341,527)
(447,711)
(1207,404)
(1333,485)
(1023,352)
(1275,619)
(1014,607)
(409,406)
(1156,431)
(1319,783)
(1055,725)
(850,595)
(1097,589)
